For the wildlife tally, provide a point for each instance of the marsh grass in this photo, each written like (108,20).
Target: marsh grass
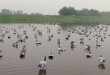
(62,20)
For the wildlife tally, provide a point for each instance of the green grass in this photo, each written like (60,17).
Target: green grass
(62,20)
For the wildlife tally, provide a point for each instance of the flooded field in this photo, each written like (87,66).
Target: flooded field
(78,50)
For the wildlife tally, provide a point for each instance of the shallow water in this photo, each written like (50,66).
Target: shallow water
(69,62)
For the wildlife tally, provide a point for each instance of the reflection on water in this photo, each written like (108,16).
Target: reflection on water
(42,72)
(71,51)
(102,66)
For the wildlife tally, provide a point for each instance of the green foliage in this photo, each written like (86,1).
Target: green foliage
(67,11)
(73,11)
(62,20)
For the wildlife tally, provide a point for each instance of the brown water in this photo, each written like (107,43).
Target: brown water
(69,62)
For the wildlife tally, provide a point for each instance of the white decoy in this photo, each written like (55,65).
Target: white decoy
(101,59)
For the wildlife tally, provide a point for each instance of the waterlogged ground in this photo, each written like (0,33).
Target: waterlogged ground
(37,40)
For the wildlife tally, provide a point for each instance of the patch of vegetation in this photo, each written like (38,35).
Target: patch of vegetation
(62,20)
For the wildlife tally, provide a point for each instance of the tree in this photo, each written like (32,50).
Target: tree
(67,11)
(6,12)
(87,12)
(94,12)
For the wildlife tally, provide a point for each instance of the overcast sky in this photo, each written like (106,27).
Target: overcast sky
(52,6)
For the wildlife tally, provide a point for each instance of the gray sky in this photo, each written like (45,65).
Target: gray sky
(52,6)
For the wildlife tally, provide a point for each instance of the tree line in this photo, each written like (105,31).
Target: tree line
(6,12)
(65,11)
(82,12)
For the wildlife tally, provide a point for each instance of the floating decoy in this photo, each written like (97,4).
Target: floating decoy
(60,50)
(38,43)
(1,40)
(24,32)
(51,35)
(101,59)
(15,45)
(22,54)
(9,37)
(39,32)
(51,57)
(49,38)
(67,38)
(81,41)
(26,37)
(43,64)
(89,55)
(88,48)
(21,40)
(0,54)
(72,45)
(58,42)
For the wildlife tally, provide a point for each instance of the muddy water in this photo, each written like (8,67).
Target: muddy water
(68,62)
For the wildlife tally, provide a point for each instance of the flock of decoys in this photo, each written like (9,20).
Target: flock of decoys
(98,33)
